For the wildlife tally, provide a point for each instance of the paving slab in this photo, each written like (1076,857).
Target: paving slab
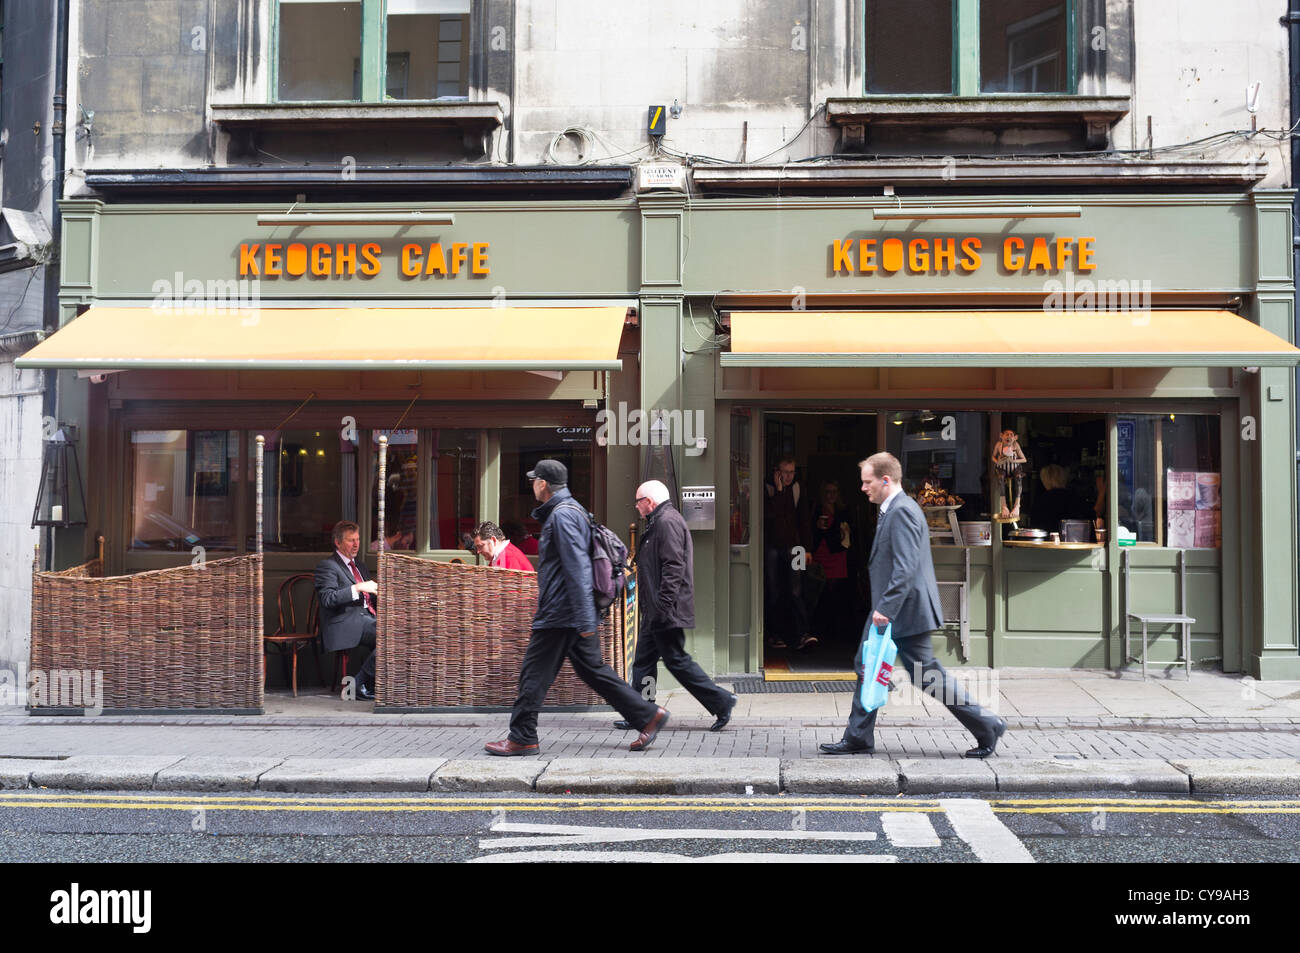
(1107,774)
(325,775)
(840,774)
(92,772)
(16,772)
(936,775)
(499,774)
(202,773)
(1245,776)
(662,776)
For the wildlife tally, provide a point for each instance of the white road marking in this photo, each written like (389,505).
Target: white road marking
(654,857)
(569,835)
(905,829)
(990,839)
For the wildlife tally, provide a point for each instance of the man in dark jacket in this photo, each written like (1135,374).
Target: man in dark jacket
(665,565)
(564,625)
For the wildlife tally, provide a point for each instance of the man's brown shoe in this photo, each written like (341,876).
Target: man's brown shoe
(650,730)
(508,748)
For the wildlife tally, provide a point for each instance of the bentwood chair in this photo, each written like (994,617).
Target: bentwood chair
(289,637)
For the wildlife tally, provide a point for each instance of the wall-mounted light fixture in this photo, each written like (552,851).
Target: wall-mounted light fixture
(358,218)
(977,211)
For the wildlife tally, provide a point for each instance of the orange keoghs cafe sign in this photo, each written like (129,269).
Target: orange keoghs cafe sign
(348,259)
(932,256)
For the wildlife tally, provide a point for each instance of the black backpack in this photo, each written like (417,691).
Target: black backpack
(608,562)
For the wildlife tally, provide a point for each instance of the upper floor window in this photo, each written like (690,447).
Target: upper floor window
(371,50)
(969,47)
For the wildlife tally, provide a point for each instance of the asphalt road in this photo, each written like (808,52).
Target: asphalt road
(89,827)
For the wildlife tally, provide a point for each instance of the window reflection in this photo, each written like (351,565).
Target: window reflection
(303,489)
(320,50)
(401,499)
(181,489)
(520,451)
(454,491)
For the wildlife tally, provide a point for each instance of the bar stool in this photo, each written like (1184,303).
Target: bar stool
(1179,617)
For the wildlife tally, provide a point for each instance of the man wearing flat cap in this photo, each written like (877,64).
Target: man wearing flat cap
(564,625)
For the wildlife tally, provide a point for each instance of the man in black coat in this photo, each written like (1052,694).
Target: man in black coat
(348,603)
(665,565)
(564,625)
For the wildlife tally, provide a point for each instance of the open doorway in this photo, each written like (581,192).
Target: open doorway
(815,516)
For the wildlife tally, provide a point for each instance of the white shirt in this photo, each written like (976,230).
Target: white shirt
(898,488)
(347,561)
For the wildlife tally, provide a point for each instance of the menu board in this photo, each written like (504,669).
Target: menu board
(1194,510)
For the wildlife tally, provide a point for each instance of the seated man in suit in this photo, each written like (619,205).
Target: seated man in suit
(348,601)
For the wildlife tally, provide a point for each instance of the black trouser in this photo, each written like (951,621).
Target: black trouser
(784,612)
(916,655)
(547,650)
(366,675)
(670,645)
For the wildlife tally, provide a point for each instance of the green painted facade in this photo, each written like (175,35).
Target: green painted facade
(684,260)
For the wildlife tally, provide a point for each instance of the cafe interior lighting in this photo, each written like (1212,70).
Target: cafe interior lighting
(357,218)
(978,211)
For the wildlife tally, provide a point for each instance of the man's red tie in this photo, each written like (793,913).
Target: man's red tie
(365,596)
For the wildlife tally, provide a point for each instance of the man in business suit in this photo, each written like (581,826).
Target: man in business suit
(348,603)
(907,598)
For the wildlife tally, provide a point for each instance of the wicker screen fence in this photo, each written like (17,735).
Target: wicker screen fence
(182,638)
(453,635)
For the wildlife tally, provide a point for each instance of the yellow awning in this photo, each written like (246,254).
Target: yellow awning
(526,339)
(1002,339)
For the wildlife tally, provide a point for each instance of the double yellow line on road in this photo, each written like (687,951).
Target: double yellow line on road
(268,802)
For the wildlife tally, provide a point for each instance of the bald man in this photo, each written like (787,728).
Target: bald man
(665,566)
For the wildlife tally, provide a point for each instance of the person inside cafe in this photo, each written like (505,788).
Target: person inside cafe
(1057,502)
(831,539)
(349,601)
(786,523)
(490,542)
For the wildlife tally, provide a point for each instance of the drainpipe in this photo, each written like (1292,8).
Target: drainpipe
(50,402)
(1292,22)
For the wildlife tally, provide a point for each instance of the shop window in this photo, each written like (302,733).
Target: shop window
(401,499)
(520,451)
(330,50)
(1065,466)
(309,484)
(924,46)
(947,450)
(1169,480)
(454,488)
(182,489)
(909,46)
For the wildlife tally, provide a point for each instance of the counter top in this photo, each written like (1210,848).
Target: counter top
(1046,544)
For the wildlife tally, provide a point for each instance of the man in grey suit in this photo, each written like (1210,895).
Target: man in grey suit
(907,598)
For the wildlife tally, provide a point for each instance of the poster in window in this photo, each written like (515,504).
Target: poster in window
(209,473)
(1194,510)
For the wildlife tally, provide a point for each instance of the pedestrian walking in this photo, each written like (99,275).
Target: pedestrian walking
(906,598)
(564,625)
(665,564)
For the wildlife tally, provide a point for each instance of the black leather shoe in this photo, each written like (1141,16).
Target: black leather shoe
(365,693)
(843,747)
(988,748)
(624,725)
(725,717)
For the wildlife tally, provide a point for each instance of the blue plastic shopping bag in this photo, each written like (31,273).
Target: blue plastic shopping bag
(878,654)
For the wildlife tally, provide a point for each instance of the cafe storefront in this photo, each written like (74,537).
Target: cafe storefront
(1137,347)
(1142,344)
(476,342)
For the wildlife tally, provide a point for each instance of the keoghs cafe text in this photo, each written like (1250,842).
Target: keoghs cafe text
(348,259)
(930,256)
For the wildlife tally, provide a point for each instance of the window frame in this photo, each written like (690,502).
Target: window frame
(374,57)
(966,78)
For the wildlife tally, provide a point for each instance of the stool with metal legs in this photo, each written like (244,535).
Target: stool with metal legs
(1179,617)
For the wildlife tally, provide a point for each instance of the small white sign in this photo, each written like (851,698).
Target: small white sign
(660,175)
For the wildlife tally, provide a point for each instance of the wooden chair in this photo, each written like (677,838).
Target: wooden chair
(1178,617)
(288,636)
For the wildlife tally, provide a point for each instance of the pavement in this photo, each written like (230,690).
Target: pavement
(1068,731)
